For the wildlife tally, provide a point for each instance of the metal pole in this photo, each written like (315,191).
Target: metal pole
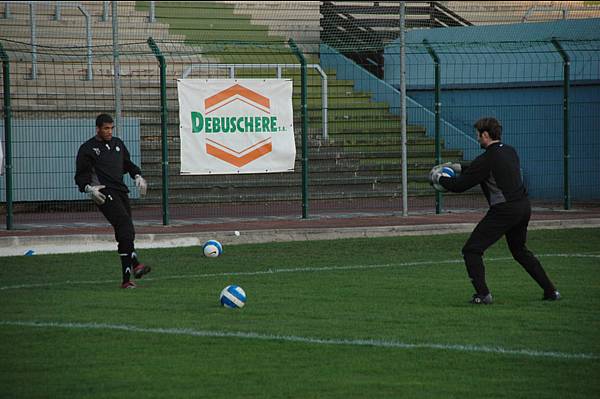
(304,116)
(163,128)
(88,33)
(33,41)
(324,105)
(7,137)
(438,105)
(7,14)
(104,11)
(566,154)
(57,11)
(117,68)
(152,16)
(403,111)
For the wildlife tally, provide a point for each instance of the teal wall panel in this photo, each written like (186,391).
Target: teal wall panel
(44,153)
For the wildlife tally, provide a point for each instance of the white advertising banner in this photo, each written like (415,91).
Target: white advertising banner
(236,126)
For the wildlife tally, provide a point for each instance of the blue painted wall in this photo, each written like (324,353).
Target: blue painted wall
(532,122)
(520,53)
(44,153)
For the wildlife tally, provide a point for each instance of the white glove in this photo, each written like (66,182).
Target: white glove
(141,184)
(95,194)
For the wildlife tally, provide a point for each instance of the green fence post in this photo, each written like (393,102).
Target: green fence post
(437,110)
(304,116)
(163,128)
(566,156)
(7,136)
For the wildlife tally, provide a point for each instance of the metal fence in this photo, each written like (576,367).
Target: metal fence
(545,93)
(349,148)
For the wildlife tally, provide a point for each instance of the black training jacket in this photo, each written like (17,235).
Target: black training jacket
(104,162)
(498,171)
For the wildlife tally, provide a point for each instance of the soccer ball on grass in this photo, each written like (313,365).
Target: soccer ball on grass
(212,248)
(233,297)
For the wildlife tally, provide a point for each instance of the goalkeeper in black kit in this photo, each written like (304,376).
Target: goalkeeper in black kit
(101,163)
(498,172)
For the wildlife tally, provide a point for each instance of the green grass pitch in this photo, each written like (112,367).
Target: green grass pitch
(356,318)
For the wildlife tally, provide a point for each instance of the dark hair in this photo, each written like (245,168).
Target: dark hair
(102,119)
(490,125)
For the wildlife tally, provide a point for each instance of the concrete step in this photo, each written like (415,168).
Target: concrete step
(152,141)
(296,196)
(419,160)
(78,43)
(138,73)
(24,98)
(101,93)
(273,183)
(130,24)
(66,31)
(46,11)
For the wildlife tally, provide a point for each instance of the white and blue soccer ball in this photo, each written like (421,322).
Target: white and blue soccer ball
(446,171)
(233,297)
(212,248)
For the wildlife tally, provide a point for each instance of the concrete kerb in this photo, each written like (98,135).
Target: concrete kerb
(57,244)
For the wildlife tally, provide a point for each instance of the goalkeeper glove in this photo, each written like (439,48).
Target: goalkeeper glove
(141,184)
(442,170)
(454,166)
(95,194)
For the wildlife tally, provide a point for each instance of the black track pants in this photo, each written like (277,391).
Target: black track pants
(509,219)
(117,211)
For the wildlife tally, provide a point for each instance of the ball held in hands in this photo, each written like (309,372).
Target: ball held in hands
(445,170)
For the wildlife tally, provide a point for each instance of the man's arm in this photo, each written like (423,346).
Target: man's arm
(477,171)
(84,169)
(134,171)
(83,176)
(128,165)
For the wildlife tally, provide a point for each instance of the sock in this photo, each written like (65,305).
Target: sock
(126,266)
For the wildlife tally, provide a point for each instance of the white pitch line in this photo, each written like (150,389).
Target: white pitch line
(291,270)
(305,340)
(253,273)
